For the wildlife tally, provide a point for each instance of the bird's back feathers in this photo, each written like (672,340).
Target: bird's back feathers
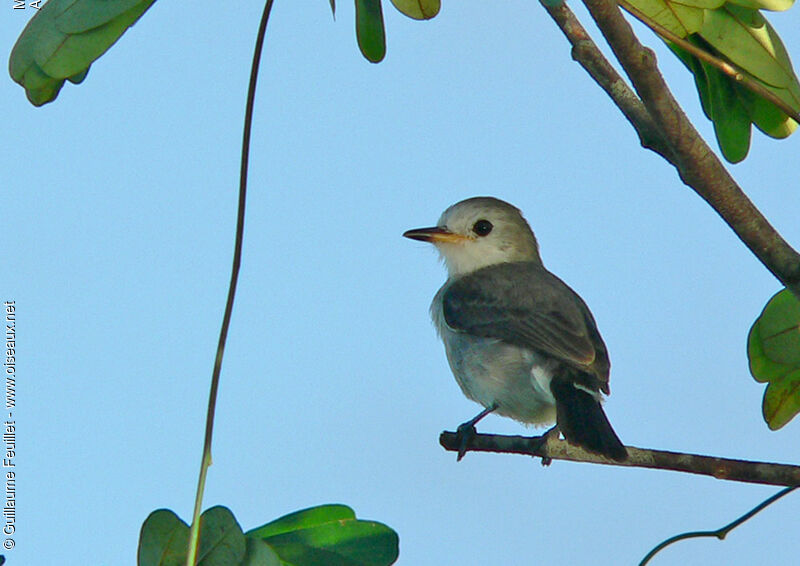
(523,304)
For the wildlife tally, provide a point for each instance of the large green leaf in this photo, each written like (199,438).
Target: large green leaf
(730,117)
(329,535)
(63,39)
(369,30)
(164,541)
(773,348)
(221,539)
(418,9)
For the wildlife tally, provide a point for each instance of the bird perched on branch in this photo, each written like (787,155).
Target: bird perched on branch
(519,340)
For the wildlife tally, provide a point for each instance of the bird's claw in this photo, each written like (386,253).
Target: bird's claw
(464,434)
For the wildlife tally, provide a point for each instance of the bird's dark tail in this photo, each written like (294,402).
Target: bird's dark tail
(581,420)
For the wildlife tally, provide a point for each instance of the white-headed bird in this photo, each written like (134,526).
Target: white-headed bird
(519,340)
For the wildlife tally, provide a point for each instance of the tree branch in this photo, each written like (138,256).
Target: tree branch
(720,533)
(556,449)
(696,163)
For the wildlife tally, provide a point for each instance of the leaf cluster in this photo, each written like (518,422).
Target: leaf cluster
(737,34)
(329,535)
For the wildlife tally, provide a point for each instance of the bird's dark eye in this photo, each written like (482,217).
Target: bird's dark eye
(482,227)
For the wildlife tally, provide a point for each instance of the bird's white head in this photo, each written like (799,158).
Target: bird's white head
(479,232)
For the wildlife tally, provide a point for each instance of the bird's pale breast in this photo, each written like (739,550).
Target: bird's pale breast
(491,371)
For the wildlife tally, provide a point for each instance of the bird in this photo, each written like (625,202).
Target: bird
(518,340)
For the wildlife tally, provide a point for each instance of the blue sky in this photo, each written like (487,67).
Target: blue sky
(118,217)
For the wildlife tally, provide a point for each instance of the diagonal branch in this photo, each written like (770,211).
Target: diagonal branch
(555,449)
(696,163)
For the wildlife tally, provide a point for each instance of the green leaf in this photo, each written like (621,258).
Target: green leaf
(730,117)
(782,401)
(329,535)
(63,39)
(779,327)
(418,9)
(163,540)
(369,30)
(773,348)
(222,542)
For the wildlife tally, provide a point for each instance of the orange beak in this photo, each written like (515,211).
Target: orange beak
(435,235)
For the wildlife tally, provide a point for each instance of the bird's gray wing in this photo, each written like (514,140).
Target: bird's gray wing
(526,305)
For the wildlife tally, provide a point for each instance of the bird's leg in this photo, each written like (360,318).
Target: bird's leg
(466,431)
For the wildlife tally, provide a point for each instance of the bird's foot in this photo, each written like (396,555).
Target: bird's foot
(466,431)
(464,435)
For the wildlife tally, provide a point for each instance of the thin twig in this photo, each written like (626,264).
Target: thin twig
(731,70)
(194,537)
(719,533)
(551,448)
